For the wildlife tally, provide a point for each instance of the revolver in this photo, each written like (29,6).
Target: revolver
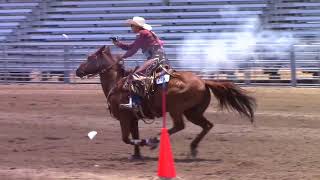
(114,38)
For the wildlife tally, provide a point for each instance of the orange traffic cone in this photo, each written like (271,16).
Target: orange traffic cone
(165,164)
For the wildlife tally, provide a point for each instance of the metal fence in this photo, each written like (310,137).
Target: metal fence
(296,65)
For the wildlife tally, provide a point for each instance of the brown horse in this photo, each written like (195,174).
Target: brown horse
(187,95)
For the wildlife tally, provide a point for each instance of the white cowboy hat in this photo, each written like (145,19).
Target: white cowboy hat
(139,21)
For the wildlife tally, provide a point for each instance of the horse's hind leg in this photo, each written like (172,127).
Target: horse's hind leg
(198,119)
(178,123)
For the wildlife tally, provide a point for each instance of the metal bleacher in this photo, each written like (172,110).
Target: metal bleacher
(86,24)
(34,30)
(95,21)
(84,21)
(301,18)
(13,14)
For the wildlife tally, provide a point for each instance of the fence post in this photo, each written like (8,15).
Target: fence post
(293,67)
(318,73)
(66,74)
(247,72)
(6,71)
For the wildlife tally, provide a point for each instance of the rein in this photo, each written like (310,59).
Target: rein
(103,70)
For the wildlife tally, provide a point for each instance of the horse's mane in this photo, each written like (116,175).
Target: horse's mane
(119,65)
(116,58)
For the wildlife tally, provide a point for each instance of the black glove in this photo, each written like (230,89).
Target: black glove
(114,38)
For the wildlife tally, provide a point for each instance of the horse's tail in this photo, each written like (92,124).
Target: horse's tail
(231,96)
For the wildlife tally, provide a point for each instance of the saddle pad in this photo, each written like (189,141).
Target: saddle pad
(163,79)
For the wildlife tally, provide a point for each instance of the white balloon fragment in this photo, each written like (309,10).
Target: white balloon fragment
(92,134)
(65,36)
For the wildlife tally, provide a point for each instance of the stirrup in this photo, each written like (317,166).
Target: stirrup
(128,105)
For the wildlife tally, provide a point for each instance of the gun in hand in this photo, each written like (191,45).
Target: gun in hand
(114,39)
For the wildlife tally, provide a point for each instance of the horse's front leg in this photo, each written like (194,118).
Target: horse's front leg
(151,142)
(135,136)
(129,125)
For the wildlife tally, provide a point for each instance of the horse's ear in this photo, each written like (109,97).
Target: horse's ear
(107,50)
(101,49)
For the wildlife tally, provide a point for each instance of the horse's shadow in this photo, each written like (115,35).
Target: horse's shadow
(177,160)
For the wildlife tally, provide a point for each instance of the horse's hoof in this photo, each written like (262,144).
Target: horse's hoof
(153,147)
(153,143)
(135,158)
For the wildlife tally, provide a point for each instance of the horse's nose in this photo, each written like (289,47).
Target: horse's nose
(79,73)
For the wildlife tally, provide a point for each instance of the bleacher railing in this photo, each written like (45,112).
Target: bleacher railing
(297,66)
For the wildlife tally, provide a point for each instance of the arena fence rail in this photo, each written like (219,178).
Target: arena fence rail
(297,65)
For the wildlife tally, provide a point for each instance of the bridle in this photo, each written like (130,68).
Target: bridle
(99,63)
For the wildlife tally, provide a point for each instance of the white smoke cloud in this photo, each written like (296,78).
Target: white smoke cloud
(225,49)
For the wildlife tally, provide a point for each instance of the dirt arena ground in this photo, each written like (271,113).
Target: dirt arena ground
(44,136)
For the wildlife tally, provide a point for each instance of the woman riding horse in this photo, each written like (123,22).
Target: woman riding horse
(188,97)
(152,48)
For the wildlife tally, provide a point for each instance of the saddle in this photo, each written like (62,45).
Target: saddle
(144,85)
